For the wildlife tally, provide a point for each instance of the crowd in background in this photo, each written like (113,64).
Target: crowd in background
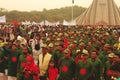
(33,52)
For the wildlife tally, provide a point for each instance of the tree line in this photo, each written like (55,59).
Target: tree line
(51,15)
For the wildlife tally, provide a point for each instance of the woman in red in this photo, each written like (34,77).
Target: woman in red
(52,71)
(30,69)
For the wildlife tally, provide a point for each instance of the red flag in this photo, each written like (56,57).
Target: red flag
(15,23)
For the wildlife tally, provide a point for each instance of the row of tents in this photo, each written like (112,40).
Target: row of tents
(66,23)
(46,22)
(100,12)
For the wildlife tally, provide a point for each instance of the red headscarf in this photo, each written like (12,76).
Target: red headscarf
(32,68)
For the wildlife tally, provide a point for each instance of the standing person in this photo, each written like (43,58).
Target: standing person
(43,63)
(2,63)
(67,66)
(21,61)
(30,69)
(6,57)
(36,47)
(52,71)
(84,67)
(78,56)
(12,62)
(17,42)
(58,54)
(115,71)
(108,64)
(97,66)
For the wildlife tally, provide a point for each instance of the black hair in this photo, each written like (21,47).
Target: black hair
(52,60)
(115,66)
(97,48)
(61,45)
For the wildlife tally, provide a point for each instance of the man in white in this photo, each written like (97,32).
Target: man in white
(44,59)
(36,47)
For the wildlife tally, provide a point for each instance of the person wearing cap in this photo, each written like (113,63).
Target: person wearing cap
(103,54)
(50,45)
(74,48)
(108,64)
(57,54)
(22,59)
(84,67)
(78,56)
(67,66)
(43,61)
(82,46)
(97,65)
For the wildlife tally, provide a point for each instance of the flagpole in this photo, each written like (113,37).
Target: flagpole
(72,9)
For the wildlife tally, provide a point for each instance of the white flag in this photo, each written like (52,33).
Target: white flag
(3,19)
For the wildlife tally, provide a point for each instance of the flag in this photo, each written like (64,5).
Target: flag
(2,19)
(15,23)
(73,1)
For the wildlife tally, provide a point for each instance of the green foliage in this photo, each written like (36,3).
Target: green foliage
(52,15)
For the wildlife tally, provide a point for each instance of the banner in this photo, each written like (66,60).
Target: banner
(3,19)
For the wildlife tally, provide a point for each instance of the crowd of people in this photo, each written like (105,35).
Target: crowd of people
(35,52)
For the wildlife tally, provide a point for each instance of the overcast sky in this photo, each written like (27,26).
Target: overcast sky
(29,5)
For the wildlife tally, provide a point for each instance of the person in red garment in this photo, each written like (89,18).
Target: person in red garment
(52,71)
(30,69)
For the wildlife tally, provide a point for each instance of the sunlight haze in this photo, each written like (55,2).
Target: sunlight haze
(39,5)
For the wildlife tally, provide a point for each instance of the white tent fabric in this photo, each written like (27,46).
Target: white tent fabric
(71,23)
(56,23)
(3,19)
(34,23)
(26,22)
(41,23)
(101,12)
(52,23)
(48,23)
(65,23)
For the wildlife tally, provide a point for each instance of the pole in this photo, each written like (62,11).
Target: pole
(72,9)
(72,12)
